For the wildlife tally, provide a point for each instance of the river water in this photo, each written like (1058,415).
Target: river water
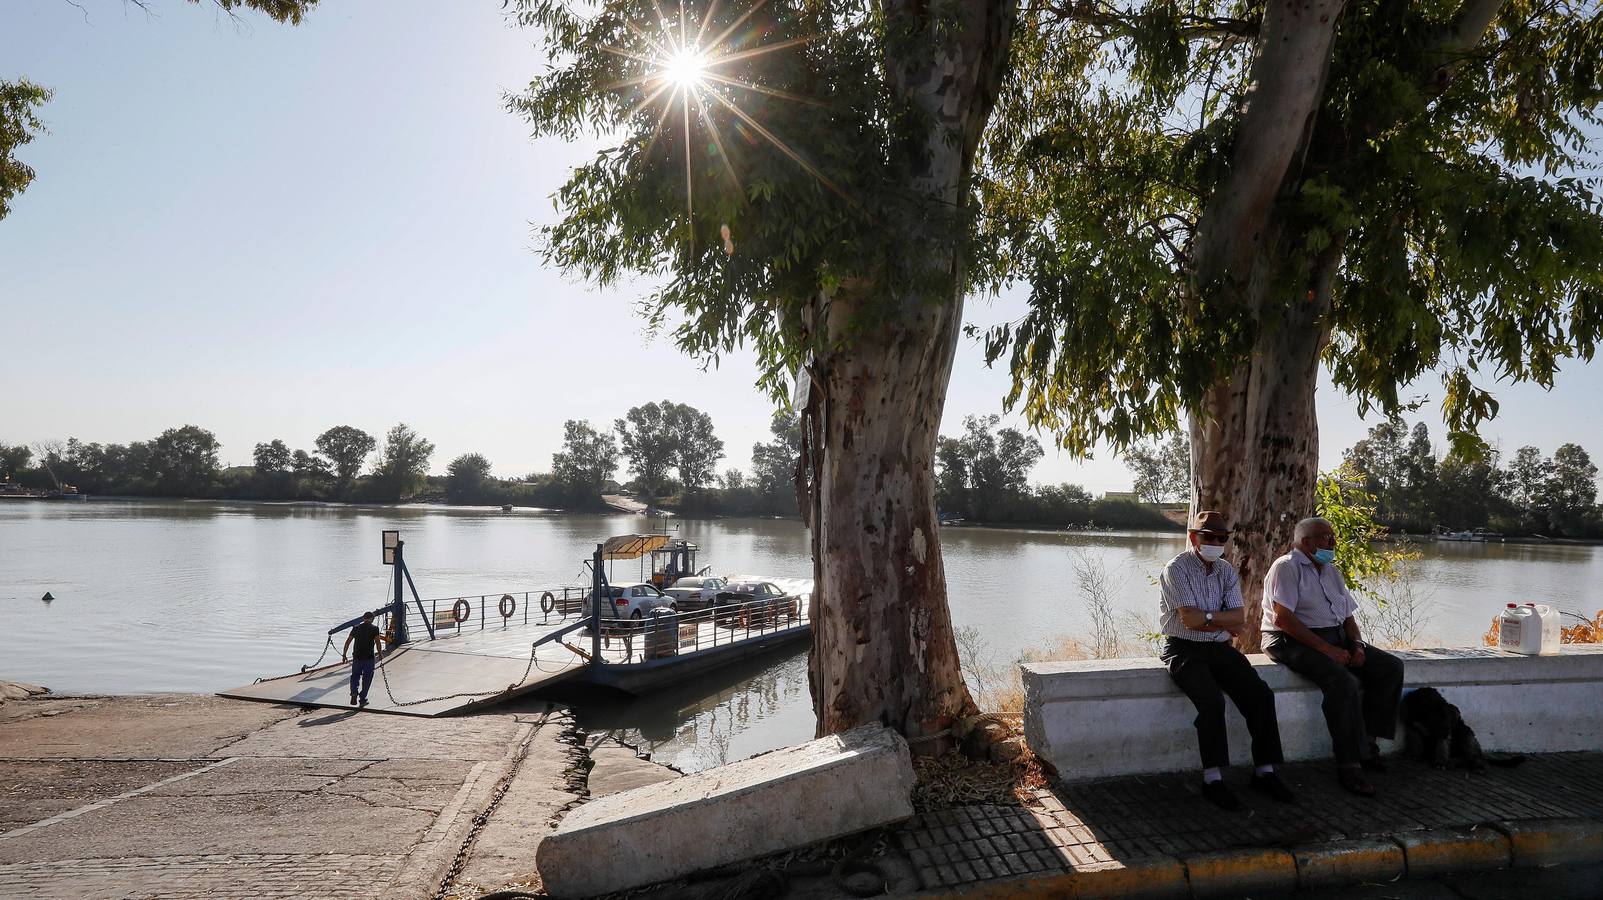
(200,596)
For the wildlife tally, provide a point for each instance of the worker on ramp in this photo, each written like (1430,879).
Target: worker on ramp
(366,636)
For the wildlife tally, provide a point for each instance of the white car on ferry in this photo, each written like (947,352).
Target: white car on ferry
(632,600)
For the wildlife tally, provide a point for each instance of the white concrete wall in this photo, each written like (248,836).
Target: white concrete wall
(1098,718)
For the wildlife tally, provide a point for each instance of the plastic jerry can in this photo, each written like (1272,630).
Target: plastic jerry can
(1514,628)
(1549,630)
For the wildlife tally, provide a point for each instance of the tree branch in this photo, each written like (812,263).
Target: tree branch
(1120,23)
(1471,22)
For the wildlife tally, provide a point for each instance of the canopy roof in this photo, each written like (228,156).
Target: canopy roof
(633,546)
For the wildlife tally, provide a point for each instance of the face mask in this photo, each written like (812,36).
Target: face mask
(1210,552)
(1324,556)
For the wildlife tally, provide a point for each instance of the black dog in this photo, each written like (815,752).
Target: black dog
(1434,731)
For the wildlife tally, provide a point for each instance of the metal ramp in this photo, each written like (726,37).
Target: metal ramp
(438,679)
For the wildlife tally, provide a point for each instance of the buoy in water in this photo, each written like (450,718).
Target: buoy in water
(47,598)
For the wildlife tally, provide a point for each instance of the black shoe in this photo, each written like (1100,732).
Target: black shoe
(364,702)
(1270,783)
(1216,793)
(353,699)
(1374,762)
(1354,781)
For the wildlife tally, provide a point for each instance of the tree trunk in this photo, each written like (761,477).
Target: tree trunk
(883,649)
(1255,450)
(1255,439)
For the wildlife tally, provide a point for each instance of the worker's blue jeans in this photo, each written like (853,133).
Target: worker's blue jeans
(361,672)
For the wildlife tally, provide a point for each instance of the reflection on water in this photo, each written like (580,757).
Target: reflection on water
(724,715)
(198,596)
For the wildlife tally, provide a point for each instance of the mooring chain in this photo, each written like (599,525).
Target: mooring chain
(327,646)
(533,655)
(483,818)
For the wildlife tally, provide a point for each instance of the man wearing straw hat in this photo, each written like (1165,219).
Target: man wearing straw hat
(1201,610)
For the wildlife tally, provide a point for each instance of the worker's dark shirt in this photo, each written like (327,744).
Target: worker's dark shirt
(364,636)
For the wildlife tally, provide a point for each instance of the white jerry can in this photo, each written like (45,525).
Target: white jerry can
(1550,632)
(1516,627)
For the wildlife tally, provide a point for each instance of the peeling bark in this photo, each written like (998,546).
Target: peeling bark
(883,649)
(1255,453)
(1255,437)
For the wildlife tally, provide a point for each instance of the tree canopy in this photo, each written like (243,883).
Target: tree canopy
(19,124)
(400,470)
(1438,190)
(346,448)
(985,469)
(587,460)
(466,478)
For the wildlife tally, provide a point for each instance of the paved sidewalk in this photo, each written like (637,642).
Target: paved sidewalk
(1149,825)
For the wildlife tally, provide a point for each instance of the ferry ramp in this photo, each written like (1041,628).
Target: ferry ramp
(452,674)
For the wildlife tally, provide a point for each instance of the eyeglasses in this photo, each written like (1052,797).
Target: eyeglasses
(1208,538)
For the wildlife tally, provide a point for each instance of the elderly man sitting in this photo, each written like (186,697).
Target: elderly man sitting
(1201,609)
(1309,628)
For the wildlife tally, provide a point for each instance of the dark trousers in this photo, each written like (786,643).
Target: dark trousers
(1207,672)
(361,673)
(1360,703)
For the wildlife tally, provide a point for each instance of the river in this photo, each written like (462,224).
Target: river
(197,596)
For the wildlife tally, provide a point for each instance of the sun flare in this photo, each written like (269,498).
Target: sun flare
(685,69)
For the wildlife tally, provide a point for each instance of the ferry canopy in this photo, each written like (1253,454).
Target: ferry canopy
(633,546)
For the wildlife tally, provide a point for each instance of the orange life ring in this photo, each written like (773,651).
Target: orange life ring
(461,610)
(508,606)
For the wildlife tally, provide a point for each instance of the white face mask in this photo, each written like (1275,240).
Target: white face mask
(1210,552)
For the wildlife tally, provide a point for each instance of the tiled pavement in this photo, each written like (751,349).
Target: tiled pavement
(1078,825)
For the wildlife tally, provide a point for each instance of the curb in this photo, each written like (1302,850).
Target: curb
(1526,843)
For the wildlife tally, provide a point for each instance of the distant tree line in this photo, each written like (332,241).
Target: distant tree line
(671,451)
(983,476)
(183,462)
(1418,490)
(1526,493)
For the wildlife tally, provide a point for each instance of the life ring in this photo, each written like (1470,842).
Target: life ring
(508,606)
(461,610)
(547,603)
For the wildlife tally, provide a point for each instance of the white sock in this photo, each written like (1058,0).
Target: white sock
(1265,769)
(1209,776)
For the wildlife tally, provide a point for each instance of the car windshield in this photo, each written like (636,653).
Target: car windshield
(743,588)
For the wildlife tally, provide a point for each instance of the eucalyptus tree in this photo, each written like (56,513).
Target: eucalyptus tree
(797,178)
(1209,199)
(19,124)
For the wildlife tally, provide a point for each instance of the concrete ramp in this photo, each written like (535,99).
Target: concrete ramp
(428,680)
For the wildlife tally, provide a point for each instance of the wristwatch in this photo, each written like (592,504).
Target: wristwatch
(1207,618)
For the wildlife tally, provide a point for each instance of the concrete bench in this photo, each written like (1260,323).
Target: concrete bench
(1099,718)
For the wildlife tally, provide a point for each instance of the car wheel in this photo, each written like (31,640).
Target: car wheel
(673,607)
(635,614)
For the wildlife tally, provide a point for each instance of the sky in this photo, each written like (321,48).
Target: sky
(268,231)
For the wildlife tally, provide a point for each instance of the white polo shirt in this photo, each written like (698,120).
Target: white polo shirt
(1318,595)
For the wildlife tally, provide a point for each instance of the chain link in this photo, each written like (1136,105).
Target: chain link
(329,645)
